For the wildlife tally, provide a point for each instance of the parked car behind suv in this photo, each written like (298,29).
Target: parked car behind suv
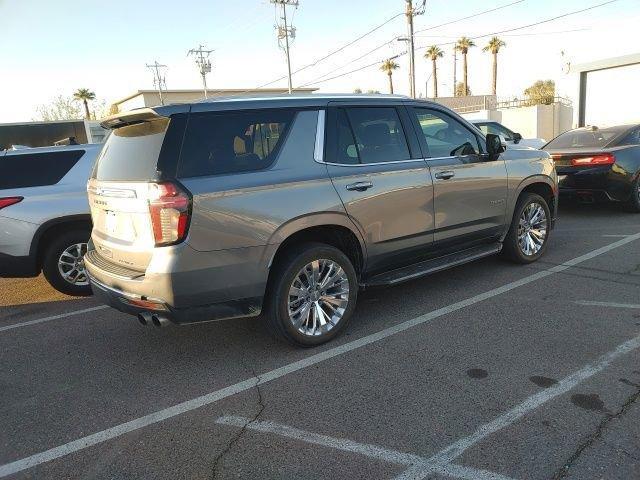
(44,214)
(289,205)
(599,164)
(511,138)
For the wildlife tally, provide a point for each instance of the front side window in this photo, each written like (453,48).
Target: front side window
(445,136)
(232,142)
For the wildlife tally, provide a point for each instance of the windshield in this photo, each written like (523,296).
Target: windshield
(583,138)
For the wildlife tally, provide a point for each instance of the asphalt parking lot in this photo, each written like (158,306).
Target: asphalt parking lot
(486,371)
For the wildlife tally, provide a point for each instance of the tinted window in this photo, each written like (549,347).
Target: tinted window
(131,152)
(584,138)
(230,142)
(445,136)
(378,133)
(36,169)
(496,129)
(347,151)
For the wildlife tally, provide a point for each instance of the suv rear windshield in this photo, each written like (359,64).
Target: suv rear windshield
(231,142)
(36,169)
(131,152)
(597,138)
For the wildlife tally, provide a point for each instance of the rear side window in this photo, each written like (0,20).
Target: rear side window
(232,142)
(36,169)
(131,152)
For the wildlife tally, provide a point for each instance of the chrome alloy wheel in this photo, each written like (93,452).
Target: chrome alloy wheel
(71,264)
(318,297)
(532,229)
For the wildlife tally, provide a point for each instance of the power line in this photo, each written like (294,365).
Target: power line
(477,14)
(330,54)
(535,23)
(478,36)
(375,49)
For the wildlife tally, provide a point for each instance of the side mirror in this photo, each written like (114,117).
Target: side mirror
(517,137)
(494,146)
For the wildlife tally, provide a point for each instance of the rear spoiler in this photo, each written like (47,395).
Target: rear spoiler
(140,115)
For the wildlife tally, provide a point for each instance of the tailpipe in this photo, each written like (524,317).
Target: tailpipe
(159,321)
(145,319)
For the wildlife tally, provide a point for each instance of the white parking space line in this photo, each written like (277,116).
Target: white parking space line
(453,451)
(607,304)
(415,462)
(615,236)
(53,317)
(213,397)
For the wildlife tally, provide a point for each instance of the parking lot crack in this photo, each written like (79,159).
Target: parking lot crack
(236,438)
(596,436)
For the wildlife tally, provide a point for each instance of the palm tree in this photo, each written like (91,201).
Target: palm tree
(494,46)
(463,45)
(389,66)
(433,53)
(85,94)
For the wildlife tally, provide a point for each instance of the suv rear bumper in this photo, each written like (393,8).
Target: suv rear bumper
(188,287)
(133,305)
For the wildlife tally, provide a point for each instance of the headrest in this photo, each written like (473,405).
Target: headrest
(376,134)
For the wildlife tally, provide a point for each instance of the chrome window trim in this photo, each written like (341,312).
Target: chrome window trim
(411,160)
(318,152)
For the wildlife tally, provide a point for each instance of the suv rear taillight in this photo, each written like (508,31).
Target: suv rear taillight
(170,210)
(7,201)
(604,159)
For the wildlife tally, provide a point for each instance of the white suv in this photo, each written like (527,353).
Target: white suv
(44,214)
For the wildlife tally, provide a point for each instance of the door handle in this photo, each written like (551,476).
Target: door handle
(446,175)
(359,186)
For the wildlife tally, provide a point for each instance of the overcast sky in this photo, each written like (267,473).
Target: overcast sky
(49,48)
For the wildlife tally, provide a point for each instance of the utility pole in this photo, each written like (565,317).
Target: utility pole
(455,63)
(285,32)
(203,63)
(412,12)
(159,81)
(412,56)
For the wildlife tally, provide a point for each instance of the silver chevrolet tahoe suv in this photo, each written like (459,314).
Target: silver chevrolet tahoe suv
(287,206)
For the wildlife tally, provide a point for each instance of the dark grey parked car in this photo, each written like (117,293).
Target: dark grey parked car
(289,205)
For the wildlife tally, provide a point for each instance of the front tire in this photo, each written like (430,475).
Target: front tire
(528,234)
(63,263)
(312,293)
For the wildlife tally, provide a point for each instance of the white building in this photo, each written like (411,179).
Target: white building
(606,91)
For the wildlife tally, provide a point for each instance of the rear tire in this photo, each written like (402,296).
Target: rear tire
(633,204)
(528,234)
(62,262)
(306,308)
